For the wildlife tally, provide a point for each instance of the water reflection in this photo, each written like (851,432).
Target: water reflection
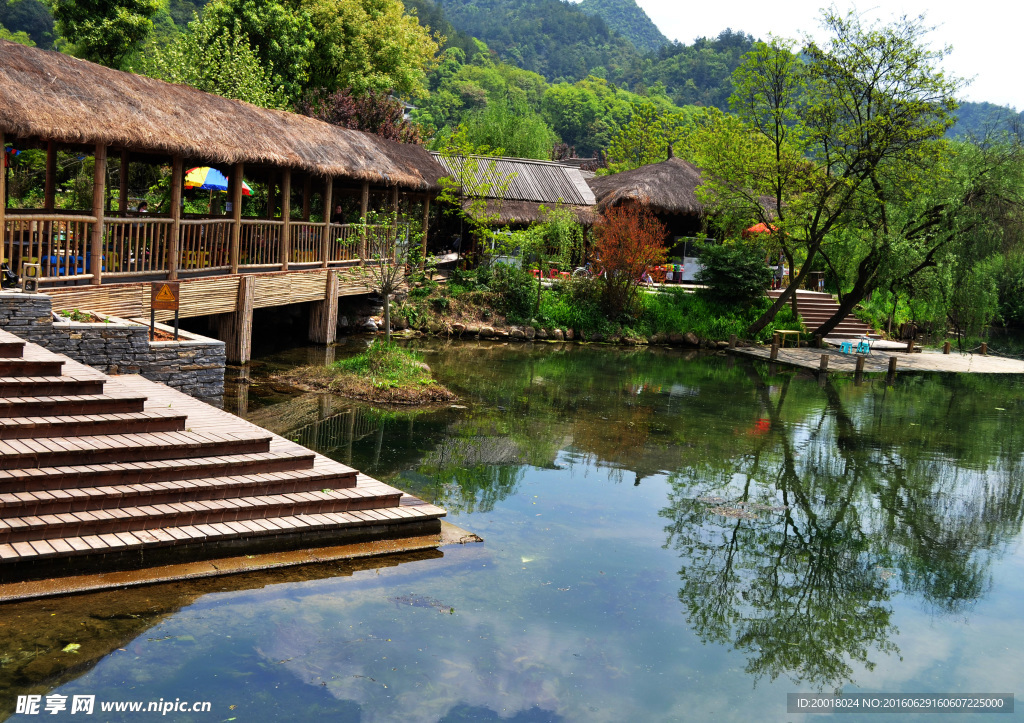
(799,505)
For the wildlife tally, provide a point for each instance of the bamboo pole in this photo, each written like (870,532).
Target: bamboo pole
(286,217)
(364,206)
(236,214)
(99,182)
(328,191)
(426,225)
(50,187)
(7,254)
(122,199)
(177,183)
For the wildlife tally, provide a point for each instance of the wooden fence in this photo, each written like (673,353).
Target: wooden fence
(61,245)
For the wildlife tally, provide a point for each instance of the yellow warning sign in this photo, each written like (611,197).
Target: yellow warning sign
(164,295)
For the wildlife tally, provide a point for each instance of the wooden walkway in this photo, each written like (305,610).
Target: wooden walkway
(878,361)
(100,471)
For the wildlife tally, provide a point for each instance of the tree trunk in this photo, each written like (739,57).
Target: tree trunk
(387,318)
(768,316)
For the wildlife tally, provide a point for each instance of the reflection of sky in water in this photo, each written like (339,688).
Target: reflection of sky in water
(584,603)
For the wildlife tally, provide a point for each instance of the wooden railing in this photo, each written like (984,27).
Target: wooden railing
(205,244)
(259,244)
(142,246)
(58,243)
(307,243)
(135,246)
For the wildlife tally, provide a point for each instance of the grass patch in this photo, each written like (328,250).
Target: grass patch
(384,373)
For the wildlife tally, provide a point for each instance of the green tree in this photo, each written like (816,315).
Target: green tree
(211,58)
(511,127)
(105,31)
(647,136)
(17,37)
(875,104)
(280,33)
(368,45)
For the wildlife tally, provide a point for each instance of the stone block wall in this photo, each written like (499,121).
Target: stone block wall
(193,365)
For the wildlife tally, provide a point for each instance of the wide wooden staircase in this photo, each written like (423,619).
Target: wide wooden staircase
(816,308)
(101,472)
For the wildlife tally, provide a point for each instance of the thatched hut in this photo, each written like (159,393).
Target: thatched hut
(50,96)
(52,101)
(669,189)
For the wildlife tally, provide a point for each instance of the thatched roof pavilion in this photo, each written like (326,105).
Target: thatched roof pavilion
(53,97)
(667,188)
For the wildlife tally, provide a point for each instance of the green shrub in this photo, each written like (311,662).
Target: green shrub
(733,273)
(516,290)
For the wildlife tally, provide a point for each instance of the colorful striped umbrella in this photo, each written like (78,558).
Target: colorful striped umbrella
(210,179)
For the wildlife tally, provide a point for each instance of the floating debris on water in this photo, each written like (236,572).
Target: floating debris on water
(734,512)
(422,601)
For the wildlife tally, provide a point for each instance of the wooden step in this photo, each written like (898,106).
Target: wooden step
(52,547)
(31,367)
(104,449)
(55,501)
(48,386)
(154,471)
(191,512)
(11,349)
(79,425)
(74,404)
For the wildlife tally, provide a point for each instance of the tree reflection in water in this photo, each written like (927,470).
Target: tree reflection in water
(794,546)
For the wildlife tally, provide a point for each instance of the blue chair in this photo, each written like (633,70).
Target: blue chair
(863,347)
(846,347)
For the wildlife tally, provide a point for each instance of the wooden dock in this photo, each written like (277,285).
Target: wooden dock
(101,472)
(879,360)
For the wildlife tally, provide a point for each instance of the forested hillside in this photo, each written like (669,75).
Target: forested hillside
(978,120)
(629,20)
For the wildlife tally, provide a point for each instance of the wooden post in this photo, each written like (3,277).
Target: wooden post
(984,349)
(945,348)
(775,352)
(50,187)
(328,202)
(393,232)
(236,215)
(823,364)
(364,207)
(910,347)
(426,225)
(323,316)
(892,365)
(732,341)
(177,184)
(775,339)
(3,207)
(99,183)
(236,328)
(286,218)
(860,364)
(307,191)
(122,196)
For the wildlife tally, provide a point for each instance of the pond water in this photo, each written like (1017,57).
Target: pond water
(667,537)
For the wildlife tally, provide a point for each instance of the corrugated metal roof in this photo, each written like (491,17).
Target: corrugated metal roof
(523,179)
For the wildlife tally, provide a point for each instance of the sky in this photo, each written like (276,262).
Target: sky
(985,34)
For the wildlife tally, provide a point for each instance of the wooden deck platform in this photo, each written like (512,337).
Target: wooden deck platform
(878,361)
(113,473)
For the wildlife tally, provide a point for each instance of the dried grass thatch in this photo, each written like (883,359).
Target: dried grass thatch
(54,97)
(668,187)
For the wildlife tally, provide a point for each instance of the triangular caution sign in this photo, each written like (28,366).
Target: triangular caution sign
(165,294)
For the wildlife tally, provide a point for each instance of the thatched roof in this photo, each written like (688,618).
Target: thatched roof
(524,179)
(52,96)
(666,187)
(526,212)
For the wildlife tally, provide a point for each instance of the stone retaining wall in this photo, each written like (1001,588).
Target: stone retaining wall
(193,365)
